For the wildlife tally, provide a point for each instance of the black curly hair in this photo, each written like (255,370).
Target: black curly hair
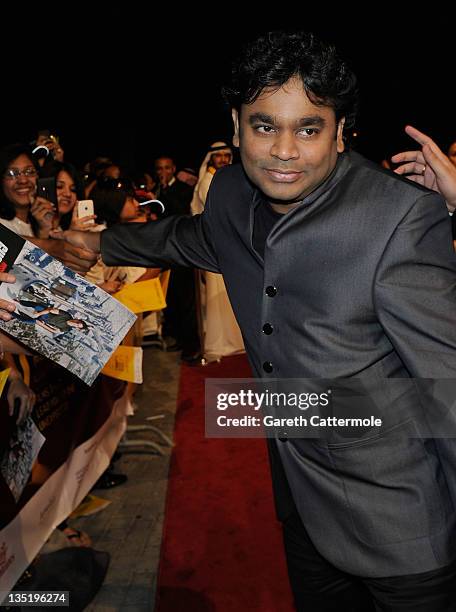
(274,58)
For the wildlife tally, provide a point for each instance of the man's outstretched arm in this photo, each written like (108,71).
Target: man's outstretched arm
(176,240)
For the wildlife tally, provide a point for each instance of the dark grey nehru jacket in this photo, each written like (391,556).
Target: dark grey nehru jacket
(359,280)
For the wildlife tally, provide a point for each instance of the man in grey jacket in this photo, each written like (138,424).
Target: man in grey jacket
(335,269)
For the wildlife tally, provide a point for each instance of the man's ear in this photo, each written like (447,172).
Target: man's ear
(235,117)
(340,136)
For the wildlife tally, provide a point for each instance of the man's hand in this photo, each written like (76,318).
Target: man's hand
(89,241)
(429,167)
(77,258)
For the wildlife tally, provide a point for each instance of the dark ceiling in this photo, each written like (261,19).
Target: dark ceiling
(133,82)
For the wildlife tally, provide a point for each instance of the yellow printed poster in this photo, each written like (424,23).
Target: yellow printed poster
(125,364)
(3,378)
(142,296)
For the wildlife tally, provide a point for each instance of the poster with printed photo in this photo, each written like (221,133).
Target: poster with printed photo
(58,313)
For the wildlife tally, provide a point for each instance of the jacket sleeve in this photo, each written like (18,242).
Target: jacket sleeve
(176,240)
(415,290)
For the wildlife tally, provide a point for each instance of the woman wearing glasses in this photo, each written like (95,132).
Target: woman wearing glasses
(18,186)
(20,209)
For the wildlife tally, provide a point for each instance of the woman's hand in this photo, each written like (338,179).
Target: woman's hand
(45,214)
(6,307)
(111,286)
(81,224)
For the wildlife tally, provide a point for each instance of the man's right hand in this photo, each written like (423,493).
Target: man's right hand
(89,241)
(78,258)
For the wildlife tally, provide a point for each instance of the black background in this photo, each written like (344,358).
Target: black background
(134,82)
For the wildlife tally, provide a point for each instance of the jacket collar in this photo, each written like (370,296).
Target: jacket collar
(343,163)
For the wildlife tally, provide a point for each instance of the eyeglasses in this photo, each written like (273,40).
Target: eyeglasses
(14,173)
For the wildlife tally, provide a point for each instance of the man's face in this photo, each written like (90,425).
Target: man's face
(165,169)
(220,159)
(288,145)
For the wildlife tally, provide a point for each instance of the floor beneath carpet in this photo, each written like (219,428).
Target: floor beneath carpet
(130,528)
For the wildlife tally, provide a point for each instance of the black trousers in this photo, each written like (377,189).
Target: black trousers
(318,586)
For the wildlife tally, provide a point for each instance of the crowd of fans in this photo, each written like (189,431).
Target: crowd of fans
(42,195)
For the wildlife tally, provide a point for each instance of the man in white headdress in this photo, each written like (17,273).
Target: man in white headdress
(218,156)
(222,335)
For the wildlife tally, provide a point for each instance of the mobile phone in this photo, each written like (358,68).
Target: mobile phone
(46,188)
(85,209)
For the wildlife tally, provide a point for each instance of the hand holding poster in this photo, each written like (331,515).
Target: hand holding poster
(58,313)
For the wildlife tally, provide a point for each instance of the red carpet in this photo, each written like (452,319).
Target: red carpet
(222,547)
